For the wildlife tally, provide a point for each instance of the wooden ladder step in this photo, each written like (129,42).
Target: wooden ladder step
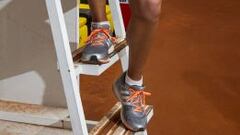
(93,69)
(111,123)
(118,46)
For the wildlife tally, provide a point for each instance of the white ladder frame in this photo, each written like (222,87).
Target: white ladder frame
(70,73)
(66,67)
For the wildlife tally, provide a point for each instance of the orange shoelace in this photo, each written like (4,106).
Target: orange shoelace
(95,39)
(137,98)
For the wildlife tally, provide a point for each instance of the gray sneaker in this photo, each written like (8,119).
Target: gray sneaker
(133,113)
(98,45)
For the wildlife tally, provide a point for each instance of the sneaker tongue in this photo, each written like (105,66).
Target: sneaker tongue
(97,26)
(138,88)
(99,35)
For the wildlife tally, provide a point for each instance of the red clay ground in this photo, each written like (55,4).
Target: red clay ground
(193,71)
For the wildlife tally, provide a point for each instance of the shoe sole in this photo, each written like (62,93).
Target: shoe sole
(127,126)
(94,60)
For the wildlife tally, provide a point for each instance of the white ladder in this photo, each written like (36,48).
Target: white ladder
(70,71)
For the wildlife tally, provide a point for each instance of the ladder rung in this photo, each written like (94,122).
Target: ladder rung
(111,123)
(91,69)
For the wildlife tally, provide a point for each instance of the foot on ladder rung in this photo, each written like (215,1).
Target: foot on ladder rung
(111,123)
(91,69)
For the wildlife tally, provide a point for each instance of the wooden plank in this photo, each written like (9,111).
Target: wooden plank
(34,114)
(13,128)
(111,123)
(114,128)
(128,132)
(37,115)
(120,130)
(141,133)
(106,119)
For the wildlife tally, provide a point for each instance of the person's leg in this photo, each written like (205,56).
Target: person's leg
(129,88)
(100,41)
(139,35)
(143,23)
(98,10)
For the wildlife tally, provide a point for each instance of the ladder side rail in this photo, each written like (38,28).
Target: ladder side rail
(119,31)
(66,66)
(117,18)
(78,33)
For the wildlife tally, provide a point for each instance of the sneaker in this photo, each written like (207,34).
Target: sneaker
(98,46)
(133,114)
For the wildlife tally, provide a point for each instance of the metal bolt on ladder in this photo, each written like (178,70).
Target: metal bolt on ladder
(71,70)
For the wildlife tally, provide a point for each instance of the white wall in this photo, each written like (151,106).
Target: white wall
(28,71)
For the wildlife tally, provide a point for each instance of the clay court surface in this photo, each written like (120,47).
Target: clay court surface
(193,71)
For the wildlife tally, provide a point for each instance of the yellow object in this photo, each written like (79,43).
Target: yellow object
(83,29)
(82,21)
(109,17)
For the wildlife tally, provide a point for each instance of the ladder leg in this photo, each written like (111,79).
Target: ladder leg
(66,66)
(124,57)
(117,18)
(119,31)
